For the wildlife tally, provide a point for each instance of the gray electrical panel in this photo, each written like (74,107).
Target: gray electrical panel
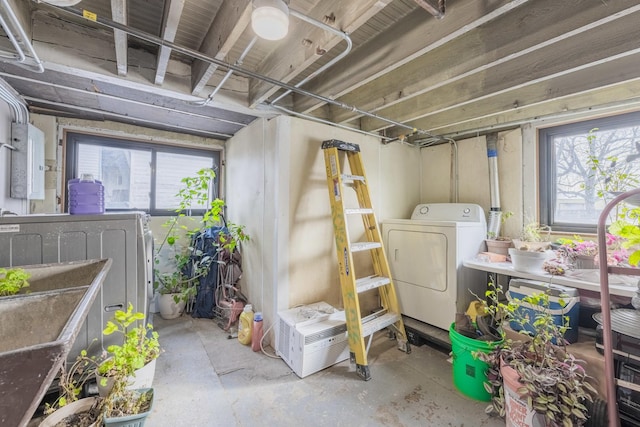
(27,162)
(123,237)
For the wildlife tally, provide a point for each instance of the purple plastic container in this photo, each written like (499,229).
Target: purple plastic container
(86,196)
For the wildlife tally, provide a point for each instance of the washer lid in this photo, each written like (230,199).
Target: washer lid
(456,212)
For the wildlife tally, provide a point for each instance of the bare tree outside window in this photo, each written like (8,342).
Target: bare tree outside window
(586,169)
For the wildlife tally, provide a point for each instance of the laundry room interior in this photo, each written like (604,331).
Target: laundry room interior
(297,221)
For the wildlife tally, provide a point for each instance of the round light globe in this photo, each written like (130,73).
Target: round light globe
(270,19)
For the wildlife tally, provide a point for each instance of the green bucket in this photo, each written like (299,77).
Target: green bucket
(469,373)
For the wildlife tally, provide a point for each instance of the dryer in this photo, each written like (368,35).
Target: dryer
(425,254)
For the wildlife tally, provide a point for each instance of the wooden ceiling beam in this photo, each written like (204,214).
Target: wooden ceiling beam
(230,22)
(411,37)
(520,102)
(119,14)
(624,96)
(293,56)
(171,19)
(582,51)
(491,49)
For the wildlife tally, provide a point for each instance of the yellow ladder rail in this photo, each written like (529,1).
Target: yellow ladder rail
(359,326)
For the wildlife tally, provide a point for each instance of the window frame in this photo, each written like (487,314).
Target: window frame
(547,167)
(73,139)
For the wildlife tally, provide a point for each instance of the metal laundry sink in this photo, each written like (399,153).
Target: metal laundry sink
(38,329)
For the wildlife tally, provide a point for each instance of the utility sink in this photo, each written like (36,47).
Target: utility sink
(37,330)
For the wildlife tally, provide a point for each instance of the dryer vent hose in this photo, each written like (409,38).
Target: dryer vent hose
(493,227)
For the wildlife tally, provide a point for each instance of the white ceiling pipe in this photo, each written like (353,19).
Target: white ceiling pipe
(21,36)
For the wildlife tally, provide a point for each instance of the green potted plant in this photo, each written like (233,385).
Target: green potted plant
(12,281)
(535,381)
(187,264)
(132,362)
(179,285)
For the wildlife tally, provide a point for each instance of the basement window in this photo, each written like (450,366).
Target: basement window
(581,168)
(137,176)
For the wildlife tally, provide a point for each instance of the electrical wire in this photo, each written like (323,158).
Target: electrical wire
(262,343)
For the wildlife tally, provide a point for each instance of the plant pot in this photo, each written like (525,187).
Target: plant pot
(526,261)
(67,411)
(136,420)
(143,378)
(585,262)
(517,413)
(497,246)
(169,309)
(470,373)
(531,246)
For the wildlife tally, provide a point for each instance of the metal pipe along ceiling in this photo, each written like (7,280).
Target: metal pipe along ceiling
(248,73)
(12,26)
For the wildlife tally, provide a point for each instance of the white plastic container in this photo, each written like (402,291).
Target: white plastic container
(527,261)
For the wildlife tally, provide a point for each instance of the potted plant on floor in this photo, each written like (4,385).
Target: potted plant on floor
(133,361)
(534,381)
(178,286)
(188,265)
(69,409)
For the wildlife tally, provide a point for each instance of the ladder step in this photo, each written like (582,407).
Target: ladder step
(377,321)
(371,282)
(341,145)
(365,246)
(351,178)
(358,211)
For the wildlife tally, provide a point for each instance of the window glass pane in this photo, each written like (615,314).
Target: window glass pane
(170,169)
(591,168)
(125,174)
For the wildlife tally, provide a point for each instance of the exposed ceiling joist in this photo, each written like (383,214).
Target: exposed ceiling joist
(434,8)
(567,45)
(487,63)
(562,87)
(119,14)
(173,12)
(230,22)
(413,36)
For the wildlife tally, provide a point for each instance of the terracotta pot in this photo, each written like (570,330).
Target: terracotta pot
(499,246)
(517,412)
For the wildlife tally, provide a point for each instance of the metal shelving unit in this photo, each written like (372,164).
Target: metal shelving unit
(605,270)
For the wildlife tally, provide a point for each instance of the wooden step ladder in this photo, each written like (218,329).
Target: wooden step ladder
(388,316)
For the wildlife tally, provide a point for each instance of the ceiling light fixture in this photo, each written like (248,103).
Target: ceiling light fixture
(270,19)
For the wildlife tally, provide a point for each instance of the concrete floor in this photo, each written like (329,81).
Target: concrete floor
(205,379)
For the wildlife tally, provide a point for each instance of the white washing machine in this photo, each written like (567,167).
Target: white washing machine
(425,255)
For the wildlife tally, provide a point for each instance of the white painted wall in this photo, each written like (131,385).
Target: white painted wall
(473,175)
(276,186)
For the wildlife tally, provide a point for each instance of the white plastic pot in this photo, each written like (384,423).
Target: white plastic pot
(526,261)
